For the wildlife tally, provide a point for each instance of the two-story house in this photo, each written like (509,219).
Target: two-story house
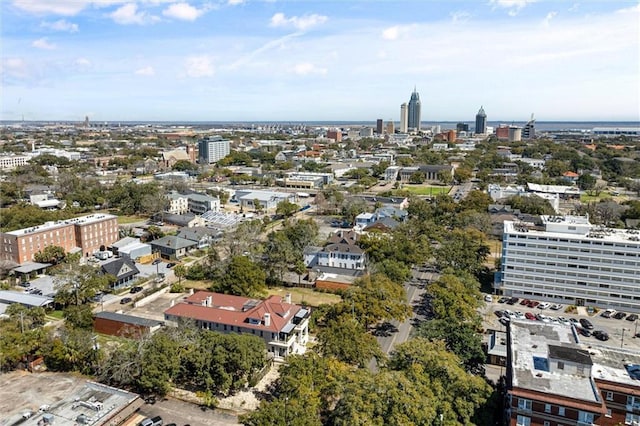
(341,251)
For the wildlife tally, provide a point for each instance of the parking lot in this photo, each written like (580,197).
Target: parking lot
(621,332)
(183,413)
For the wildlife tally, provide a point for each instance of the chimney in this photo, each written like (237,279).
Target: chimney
(267,320)
(209,301)
(173,302)
(287,298)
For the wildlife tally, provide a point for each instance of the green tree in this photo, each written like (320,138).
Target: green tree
(180,271)
(455,297)
(586,182)
(279,254)
(76,284)
(417,177)
(464,250)
(344,339)
(242,277)
(72,349)
(27,318)
(159,364)
(79,316)
(50,254)
(476,200)
(286,208)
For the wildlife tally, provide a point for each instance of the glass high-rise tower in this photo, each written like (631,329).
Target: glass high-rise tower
(414,111)
(481,122)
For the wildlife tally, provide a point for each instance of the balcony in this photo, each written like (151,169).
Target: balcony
(634,407)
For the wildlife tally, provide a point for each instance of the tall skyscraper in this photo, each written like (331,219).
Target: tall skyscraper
(379,126)
(414,111)
(529,130)
(481,122)
(404,118)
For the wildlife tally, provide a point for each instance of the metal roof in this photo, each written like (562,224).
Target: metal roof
(128,319)
(24,298)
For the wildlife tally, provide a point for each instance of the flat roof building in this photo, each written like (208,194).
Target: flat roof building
(566,259)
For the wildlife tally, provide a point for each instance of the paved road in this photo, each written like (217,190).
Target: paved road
(182,413)
(400,332)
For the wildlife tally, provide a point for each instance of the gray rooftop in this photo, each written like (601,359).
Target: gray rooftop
(28,267)
(26,299)
(128,319)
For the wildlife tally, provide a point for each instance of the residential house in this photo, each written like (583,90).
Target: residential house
(283,325)
(130,247)
(340,252)
(123,269)
(178,203)
(173,247)
(203,236)
(202,203)
(385,225)
(188,220)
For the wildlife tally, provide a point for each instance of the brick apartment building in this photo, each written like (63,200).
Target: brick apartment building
(553,379)
(86,233)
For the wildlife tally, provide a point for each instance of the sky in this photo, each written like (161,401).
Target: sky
(272,60)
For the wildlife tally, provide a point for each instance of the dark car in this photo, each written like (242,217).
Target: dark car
(525,302)
(632,317)
(136,289)
(171,265)
(499,314)
(125,300)
(600,335)
(586,323)
(619,315)
(533,303)
(155,262)
(512,301)
(503,299)
(25,284)
(584,331)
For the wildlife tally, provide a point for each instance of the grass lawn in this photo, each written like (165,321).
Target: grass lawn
(305,296)
(586,198)
(56,314)
(426,190)
(125,219)
(196,285)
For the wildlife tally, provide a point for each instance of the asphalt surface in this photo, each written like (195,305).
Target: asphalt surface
(184,413)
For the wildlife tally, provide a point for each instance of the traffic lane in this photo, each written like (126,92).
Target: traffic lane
(182,413)
(620,332)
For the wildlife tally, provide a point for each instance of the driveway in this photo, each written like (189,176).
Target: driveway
(182,413)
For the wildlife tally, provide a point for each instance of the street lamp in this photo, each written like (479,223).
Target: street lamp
(622,339)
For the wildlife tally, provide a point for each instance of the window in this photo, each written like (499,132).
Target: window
(585,417)
(560,365)
(547,408)
(608,412)
(524,404)
(631,419)
(523,421)
(546,423)
(561,411)
(609,396)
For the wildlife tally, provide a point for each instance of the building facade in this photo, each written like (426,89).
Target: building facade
(565,259)
(213,149)
(554,379)
(8,162)
(283,325)
(481,122)
(86,233)
(414,111)
(200,203)
(529,129)
(404,118)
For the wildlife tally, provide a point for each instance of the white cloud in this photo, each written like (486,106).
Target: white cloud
(547,19)
(513,6)
(306,68)
(128,14)
(146,71)
(183,11)
(57,7)
(234,2)
(199,66)
(301,23)
(61,25)
(460,16)
(43,43)
(82,63)
(391,33)
(14,68)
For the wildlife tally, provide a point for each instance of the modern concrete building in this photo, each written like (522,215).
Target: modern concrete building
(481,122)
(283,325)
(213,149)
(566,259)
(404,118)
(8,162)
(379,125)
(529,129)
(414,111)
(86,233)
(554,379)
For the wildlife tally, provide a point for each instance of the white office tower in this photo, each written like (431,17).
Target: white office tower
(566,259)
(213,149)
(404,118)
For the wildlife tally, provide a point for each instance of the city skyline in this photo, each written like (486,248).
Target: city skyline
(163,60)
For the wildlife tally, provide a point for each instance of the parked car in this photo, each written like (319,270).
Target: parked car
(583,331)
(171,265)
(544,305)
(564,321)
(487,298)
(586,323)
(525,302)
(632,317)
(155,262)
(556,307)
(600,335)
(533,304)
(504,320)
(619,315)
(608,313)
(530,316)
(503,299)
(574,321)
(512,301)
(136,289)
(125,300)
(25,284)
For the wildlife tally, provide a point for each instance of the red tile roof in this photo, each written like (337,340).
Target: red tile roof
(235,310)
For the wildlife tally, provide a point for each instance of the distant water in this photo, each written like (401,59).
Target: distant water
(541,126)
